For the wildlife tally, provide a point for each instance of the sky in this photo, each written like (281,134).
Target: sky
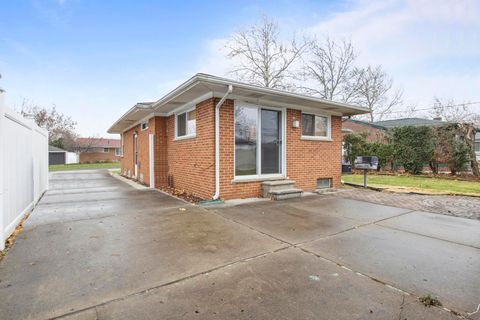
(94,60)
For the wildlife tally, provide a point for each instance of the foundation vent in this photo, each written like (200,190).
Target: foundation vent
(324,183)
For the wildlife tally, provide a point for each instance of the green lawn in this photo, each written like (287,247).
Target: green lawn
(433,185)
(80,166)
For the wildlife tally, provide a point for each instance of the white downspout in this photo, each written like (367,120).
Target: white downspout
(217,142)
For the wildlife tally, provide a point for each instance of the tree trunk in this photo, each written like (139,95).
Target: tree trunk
(469,133)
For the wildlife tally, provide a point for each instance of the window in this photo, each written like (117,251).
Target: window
(324,183)
(118,152)
(186,124)
(105,150)
(315,126)
(477,146)
(144,125)
(245,141)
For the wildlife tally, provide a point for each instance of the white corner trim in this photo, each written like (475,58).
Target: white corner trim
(151,158)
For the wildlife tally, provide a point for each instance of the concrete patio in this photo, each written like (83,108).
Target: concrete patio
(96,248)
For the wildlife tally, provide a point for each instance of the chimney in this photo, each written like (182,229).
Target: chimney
(437,118)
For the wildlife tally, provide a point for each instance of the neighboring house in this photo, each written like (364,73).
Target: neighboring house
(379,128)
(60,156)
(217,138)
(93,150)
(374,132)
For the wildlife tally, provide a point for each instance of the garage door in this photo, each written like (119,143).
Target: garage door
(56,158)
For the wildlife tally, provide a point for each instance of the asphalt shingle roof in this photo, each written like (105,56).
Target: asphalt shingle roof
(55,149)
(409,122)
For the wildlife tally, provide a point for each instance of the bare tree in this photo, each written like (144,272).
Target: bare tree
(260,57)
(61,128)
(449,110)
(329,70)
(81,145)
(467,121)
(375,91)
(408,111)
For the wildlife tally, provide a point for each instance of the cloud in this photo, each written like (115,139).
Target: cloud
(429,47)
(214,60)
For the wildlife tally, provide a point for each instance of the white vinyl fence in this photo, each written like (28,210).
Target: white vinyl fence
(23,168)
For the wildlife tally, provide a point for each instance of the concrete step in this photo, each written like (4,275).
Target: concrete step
(286,194)
(326,190)
(276,185)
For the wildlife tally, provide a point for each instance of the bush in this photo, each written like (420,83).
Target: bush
(412,146)
(460,156)
(354,145)
(357,145)
(450,149)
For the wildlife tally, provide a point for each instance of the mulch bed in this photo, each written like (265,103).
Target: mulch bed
(182,194)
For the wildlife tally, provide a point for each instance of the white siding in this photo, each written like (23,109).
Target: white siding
(71,157)
(23,168)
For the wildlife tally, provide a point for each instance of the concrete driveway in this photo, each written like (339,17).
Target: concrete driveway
(96,248)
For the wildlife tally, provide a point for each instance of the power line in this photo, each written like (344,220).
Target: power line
(432,108)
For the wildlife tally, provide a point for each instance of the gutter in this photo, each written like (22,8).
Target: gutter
(217,142)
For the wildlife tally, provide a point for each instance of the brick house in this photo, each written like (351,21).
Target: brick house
(375,132)
(93,150)
(217,138)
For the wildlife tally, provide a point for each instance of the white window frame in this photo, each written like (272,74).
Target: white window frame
(259,176)
(108,150)
(328,137)
(144,125)
(118,152)
(187,135)
(475,146)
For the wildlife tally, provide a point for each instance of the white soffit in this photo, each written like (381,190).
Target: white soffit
(203,86)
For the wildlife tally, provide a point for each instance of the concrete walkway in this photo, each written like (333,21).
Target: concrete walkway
(96,248)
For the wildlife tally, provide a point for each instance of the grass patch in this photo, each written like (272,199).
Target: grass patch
(82,166)
(417,183)
(429,301)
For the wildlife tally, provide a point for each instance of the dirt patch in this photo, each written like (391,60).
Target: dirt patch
(11,240)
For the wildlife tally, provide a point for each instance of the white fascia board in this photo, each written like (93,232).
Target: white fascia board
(191,104)
(217,80)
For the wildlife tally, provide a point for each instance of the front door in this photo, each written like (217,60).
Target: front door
(135,153)
(271,141)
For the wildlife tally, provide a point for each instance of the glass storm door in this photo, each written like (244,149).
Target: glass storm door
(258,141)
(271,141)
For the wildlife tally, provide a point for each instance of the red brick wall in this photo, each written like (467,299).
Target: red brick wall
(92,157)
(191,162)
(228,188)
(127,161)
(309,160)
